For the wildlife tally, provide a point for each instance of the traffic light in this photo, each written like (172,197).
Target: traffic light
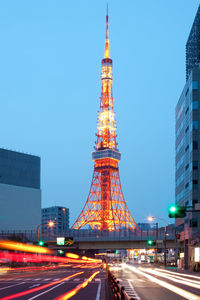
(176,211)
(178,236)
(151,243)
(41,243)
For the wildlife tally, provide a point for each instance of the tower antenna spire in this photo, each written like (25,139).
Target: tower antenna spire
(107,48)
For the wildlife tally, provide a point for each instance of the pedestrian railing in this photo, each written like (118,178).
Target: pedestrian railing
(117,291)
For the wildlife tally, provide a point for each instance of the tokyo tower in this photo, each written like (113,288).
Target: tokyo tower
(105,208)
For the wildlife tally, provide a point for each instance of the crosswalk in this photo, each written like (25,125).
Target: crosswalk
(129,289)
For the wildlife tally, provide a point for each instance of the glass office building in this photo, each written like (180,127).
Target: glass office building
(187,173)
(193,45)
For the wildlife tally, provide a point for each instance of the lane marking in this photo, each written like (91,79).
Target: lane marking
(7,287)
(37,284)
(98,291)
(45,291)
(56,279)
(36,279)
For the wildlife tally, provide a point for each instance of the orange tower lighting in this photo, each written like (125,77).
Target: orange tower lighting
(105,208)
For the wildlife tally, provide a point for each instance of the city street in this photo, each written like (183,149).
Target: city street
(144,282)
(53,283)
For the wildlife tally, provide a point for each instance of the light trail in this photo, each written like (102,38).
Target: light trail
(38,258)
(72,255)
(23,247)
(179,291)
(76,289)
(178,276)
(181,274)
(39,288)
(172,278)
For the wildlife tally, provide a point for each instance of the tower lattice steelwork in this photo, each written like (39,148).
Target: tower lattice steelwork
(106,208)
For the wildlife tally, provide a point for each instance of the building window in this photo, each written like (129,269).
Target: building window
(186,148)
(186,167)
(193,223)
(195,85)
(187,128)
(186,110)
(195,184)
(186,186)
(195,105)
(195,165)
(195,145)
(194,201)
(195,125)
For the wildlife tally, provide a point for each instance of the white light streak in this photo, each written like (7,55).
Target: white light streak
(173,278)
(185,294)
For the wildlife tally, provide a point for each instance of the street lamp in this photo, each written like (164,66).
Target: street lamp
(150,218)
(50,224)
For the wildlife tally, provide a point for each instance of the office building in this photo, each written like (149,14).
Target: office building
(60,216)
(20,194)
(187,176)
(193,45)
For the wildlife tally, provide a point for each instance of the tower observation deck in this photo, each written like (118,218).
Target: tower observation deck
(105,208)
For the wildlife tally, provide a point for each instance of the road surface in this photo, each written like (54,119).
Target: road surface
(52,283)
(143,282)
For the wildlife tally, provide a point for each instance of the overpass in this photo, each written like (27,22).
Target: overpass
(102,240)
(116,240)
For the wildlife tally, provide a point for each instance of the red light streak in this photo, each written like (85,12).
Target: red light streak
(21,257)
(39,288)
(76,289)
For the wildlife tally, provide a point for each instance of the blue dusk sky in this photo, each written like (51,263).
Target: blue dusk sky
(50,65)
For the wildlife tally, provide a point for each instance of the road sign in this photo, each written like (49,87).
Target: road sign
(60,241)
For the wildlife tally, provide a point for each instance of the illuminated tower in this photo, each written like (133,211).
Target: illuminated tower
(106,208)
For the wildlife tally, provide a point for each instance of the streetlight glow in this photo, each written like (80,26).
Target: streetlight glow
(51,224)
(150,219)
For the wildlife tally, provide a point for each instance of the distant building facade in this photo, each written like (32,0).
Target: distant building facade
(187,173)
(60,216)
(20,193)
(146,226)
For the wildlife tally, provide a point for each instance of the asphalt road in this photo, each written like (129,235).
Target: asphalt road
(148,283)
(52,283)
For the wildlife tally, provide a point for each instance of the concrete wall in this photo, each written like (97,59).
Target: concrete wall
(20,207)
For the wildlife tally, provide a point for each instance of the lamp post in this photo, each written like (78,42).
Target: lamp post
(165,242)
(51,224)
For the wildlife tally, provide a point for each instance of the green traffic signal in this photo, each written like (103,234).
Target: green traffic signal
(176,211)
(41,243)
(172,209)
(151,243)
